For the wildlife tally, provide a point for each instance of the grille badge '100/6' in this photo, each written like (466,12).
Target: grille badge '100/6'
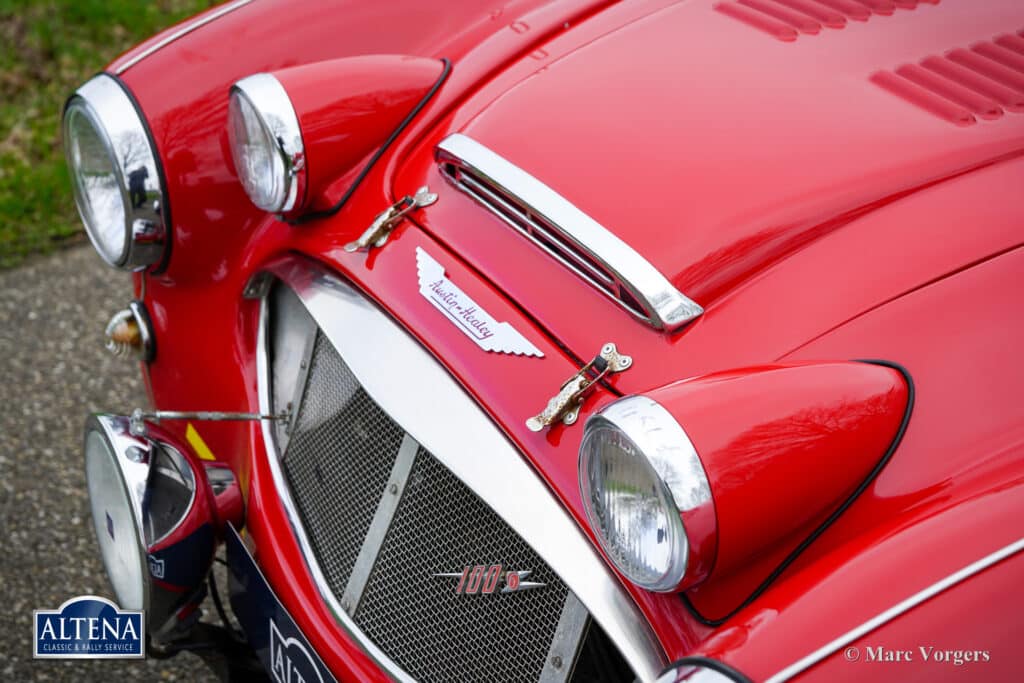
(483,579)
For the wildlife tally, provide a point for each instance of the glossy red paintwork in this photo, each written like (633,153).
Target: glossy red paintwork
(782,447)
(952,493)
(815,215)
(348,107)
(973,646)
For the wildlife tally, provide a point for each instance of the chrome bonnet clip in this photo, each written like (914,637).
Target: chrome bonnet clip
(565,405)
(385,222)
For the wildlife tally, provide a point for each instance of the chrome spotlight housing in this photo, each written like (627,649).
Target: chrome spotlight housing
(116,175)
(157,518)
(116,471)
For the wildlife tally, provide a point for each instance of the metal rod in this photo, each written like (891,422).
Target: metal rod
(138,417)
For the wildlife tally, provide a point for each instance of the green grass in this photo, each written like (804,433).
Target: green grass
(47,49)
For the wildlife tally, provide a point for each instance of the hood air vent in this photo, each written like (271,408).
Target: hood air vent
(786,19)
(964,85)
(555,225)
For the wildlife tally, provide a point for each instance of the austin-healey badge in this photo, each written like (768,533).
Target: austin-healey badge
(466,314)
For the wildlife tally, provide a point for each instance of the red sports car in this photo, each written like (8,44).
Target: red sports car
(568,340)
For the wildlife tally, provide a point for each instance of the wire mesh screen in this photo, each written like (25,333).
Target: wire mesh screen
(338,461)
(422,623)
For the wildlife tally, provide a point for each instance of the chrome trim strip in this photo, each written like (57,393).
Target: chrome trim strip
(386,508)
(419,394)
(184,30)
(572,627)
(665,307)
(896,610)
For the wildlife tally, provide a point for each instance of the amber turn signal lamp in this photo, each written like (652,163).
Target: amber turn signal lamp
(699,476)
(296,131)
(130,333)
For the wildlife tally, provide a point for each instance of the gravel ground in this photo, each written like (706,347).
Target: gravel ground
(53,372)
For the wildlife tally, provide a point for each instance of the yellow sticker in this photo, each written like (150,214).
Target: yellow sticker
(197,443)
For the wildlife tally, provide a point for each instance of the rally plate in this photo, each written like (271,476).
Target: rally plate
(277,641)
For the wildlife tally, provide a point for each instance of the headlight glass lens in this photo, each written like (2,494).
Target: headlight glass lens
(631,509)
(114,522)
(96,181)
(258,158)
(116,175)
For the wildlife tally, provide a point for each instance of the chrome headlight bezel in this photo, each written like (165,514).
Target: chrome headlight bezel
(678,485)
(263,97)
(117,123)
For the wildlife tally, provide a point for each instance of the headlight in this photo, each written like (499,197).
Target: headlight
(266,143)
(117,485)
(115,175)
(297,131)
(769,457)
(640,477)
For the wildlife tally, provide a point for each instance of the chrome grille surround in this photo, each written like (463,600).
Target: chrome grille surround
(404,379)
(565,232)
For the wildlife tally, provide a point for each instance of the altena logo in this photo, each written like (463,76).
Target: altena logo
(290,661)
(89,627)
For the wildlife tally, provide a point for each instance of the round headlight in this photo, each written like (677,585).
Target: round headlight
(115,175)
(639,479)
(266,143)
(115,519)
(97,181)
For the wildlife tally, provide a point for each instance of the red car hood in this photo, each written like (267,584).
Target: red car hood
(718,150)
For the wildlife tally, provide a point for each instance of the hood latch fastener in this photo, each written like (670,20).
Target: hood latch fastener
(565,405)
(385,222)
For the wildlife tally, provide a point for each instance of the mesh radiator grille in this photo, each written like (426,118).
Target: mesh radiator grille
(418,619)
(339,458)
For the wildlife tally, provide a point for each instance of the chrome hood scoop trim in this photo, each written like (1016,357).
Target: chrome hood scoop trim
(566,233)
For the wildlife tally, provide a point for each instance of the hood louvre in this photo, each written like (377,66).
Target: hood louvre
(963,84)
(564,232)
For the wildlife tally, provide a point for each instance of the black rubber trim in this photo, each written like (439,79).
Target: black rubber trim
(831,518)
(327,213)
(165,207)
(707,663)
